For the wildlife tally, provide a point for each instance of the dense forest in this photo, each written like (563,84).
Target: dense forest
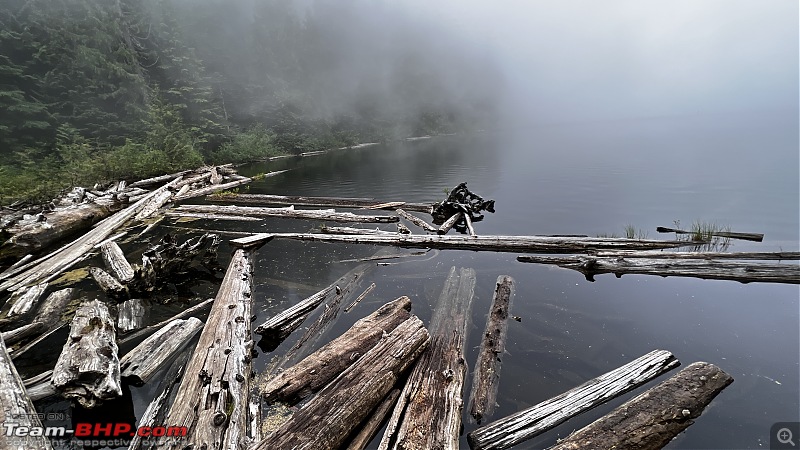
(94,90)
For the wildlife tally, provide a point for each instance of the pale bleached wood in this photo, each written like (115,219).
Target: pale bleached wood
(330,417)
(110,285)
(428,413)
(468,222)
(340,202)
(211,400)
(486,376)
(742,272)
(356,231)
(16,408)
(158,179)
(13,268)
(181,315)
(252,211)
(205,216)
(17,334)
(525,424)
(47,320)
(211,189)
(448,224)
(131,315)
(23,300)
(416,220)
(765,256)
(116,262)
(154,205)
(152,354)
(88,368)
(651,420)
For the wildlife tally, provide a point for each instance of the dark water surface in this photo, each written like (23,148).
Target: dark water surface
(589,178)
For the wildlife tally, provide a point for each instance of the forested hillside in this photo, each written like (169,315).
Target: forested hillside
(92,90)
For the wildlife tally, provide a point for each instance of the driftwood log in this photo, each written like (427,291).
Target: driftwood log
(525,424)
(316,370)
(188,312)
(428,413)
(340,202)
(131,315)
(764,256)
(313,214)
(211,400)
(327,420)
(448,224)
(416,220)
(742,272)
(651,420)
(757,237)
(88,367)
(152,354)
(16,408)
(486,377)
(46,321)
(116,262)
(23,300)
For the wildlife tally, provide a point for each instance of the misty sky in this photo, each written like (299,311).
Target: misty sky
(589,60)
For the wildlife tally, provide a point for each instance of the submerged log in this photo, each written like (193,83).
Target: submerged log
(515,244)
(152,354)
(88,367)
(316,370)
(331,416)
(252,211)
(530,422)
(211,400)
(706,269)
(428,413)
(416,220)
(360,297)
(757,237)
(341,202)
(654,418)
(16,408)
(486,377)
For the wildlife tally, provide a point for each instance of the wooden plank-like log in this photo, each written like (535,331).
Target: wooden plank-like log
(115,261)
(110,285)
(88,367)
(340,202)
(316,370)
(486,377)
(651,420)
(468,222)
(448,224)
(290,213)
(158,179)
(416,220)
(154,205)
(356,231)
(370,428)
(23,300)
(330,417)
(46,321)
(757,237)
(525,424)
(204,216)
(16,409)
(211,400)
(707,269)
(152,354)
(764,256)
(428,413)
(131,315)
(13,268)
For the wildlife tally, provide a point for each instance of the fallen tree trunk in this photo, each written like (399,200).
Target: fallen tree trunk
(316,370)
(46,321)
(11,337)
(514,244)
(416,220)
(486,377)
(356,231)
(340,202)
(158,179)
(251,211)
(765,256)
(17,409)
(331,416)
(211,400)
(360,297)
(152,354)
(652,419)
(757,237)
(88,368)
(115,261)
(204,216)
(428,413)
(706,269)
(530,422)
(211,189)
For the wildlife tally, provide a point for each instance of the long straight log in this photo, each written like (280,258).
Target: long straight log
(651,420)
(16,408)
(486,377)
(765,256)
(416,220)
(154,205)
(211,189)
(356,231)
(115,261)
(158,179)
(17,334)
(530,422)
(211,400)
(88,368)
(330,417)
(757,237)
(316,370)
(152,354)
(706,269)
(252,211)
(12,268)
(428,413)
(514,244)
(204,216)
(340,202)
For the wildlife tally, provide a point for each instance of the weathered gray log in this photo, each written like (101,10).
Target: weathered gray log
(108,283)
(211,400)
(416,220)
(360,297)
(154,205)
(188,312)
(448,224)
(158,179)
(525,424)
(651,420)
(428,413)
(370,428)
(252,211)
(12,268)
(16,353)
(152,354)
(757,237)
(316,370)
(204,216)
(131,315)
(330,417)
(765,256)
(23,300)
(515,244)
(707,269)
(16,408)
(341,202)
(211,189)
(115,261)
(468,222)
(17,334)
(88,367)
(190,180)
(46,321)
(485,380)
(51,265)
(356,231)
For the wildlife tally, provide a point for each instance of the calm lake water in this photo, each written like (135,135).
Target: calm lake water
(580,178)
